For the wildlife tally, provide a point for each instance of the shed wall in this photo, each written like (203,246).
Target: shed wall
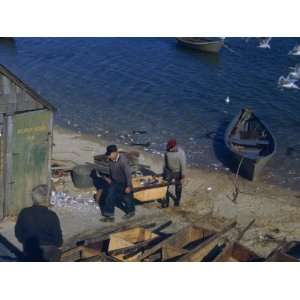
(15,99)
(30,158)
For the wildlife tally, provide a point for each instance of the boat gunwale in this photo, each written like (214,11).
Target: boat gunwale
(232,149)
(200,43)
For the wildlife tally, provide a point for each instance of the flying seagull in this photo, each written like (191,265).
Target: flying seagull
(287,83)
(295,51)
(264,43)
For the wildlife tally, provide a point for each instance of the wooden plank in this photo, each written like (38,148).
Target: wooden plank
(243,254)
(279,253)
(203,249)
(151,243)
(71,254)
(170,252)
(100,258)
(125,239)
(102,233)
(132,249)
(162,227)
(8,135)
(160,245)
(226,252)
(178,236)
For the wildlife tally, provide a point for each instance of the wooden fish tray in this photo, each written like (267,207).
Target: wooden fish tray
(124,241)
(237,253)
(143,192)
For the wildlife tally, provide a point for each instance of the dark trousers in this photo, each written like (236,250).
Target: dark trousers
(116,196)
(51,253)
(174,177)
(42,253)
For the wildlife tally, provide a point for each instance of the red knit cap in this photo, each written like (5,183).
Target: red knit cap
(171,144)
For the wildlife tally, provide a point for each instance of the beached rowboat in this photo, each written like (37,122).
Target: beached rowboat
(210,45)
(251,143)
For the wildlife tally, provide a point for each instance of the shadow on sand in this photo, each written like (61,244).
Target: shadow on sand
(222,153)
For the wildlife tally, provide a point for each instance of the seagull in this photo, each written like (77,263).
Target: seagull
(297,67)
(295,51)
(295,74)
(287,83)
(227,100)
(264,43)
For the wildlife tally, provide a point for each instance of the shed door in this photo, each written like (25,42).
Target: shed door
(30,157)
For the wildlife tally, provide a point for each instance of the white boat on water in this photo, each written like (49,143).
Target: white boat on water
(204,44)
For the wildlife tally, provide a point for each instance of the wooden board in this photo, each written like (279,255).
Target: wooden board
(280,254)
(128,238)
(177,241)
(237,252)
(199,252)
(234,251)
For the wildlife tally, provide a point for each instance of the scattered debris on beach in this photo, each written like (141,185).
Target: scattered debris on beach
(80,201)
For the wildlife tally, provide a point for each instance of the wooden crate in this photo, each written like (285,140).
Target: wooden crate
(82,252)
(128,238)
(185,240)
(178,244)
(237,253)
(151,193)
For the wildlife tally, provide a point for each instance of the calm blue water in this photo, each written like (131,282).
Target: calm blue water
(112,86)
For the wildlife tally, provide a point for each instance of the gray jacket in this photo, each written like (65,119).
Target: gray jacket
(120,171)
(175,162)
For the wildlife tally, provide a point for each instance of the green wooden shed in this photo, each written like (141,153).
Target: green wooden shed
(26,128)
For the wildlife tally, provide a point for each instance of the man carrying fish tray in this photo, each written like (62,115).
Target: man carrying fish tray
(174,171)
(120,186)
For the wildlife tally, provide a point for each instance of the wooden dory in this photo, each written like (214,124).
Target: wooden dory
(210,45)
(251,143)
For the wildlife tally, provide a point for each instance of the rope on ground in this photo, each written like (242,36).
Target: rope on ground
(236,190)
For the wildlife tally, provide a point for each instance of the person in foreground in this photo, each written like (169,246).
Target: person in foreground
(174,171)
(38,229)
(120,186)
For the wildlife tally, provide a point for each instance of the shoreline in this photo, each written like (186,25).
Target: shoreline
(208,194)
(207,198)
(156,160)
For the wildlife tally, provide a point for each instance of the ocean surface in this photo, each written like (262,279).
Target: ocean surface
(113,87)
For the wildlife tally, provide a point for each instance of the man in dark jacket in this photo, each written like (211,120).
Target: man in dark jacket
(120,185)
(38,229)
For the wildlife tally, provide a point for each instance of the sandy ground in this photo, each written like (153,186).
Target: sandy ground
(207,199)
